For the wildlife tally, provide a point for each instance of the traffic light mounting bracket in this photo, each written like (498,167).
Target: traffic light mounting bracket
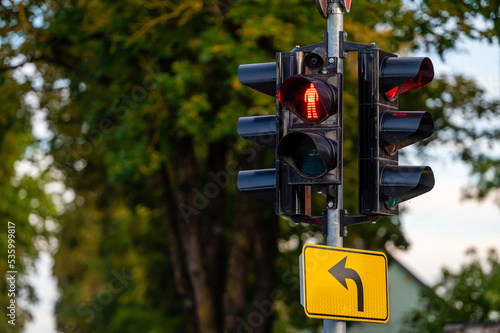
(345,221)
(309,48)
(346,46)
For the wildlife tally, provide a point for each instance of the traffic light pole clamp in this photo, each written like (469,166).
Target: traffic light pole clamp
(346,46)
(310,48)
(345,221)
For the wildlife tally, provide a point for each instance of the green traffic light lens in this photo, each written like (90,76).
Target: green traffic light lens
(308,160)
(393,202)
(311,155)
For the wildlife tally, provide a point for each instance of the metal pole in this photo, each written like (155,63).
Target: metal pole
(334,26)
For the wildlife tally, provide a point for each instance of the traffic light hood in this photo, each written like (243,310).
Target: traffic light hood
(260,77)
(400,75)
(401,129)
(258,183)
(402,183)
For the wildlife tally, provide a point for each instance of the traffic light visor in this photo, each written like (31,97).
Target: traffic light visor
(258,183)
(260,77)
(400,75)
(402,183)
(312,100)
(312,155)
(401,129)
(260,130)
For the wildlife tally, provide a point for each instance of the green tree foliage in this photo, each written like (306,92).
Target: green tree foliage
(141,100)
(23,201)
(470,295)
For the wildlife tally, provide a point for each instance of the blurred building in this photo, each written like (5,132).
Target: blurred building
(404,295)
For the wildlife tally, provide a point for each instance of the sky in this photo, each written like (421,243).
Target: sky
(439,225)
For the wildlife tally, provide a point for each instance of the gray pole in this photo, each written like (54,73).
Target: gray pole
(335,25)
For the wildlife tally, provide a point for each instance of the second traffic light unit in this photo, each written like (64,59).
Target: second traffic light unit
(383,129)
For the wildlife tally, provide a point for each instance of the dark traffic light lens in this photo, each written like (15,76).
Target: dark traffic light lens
(308,160)
(312,155)
(315,61)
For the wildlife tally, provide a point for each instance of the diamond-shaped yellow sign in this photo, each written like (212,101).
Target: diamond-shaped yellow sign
(344,284)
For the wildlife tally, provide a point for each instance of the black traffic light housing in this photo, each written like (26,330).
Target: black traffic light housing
(270,184)
(383,129)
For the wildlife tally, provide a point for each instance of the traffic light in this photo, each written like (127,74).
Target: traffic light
(311,134)
(260,130)
(306,131)
(270,184)
(383,130)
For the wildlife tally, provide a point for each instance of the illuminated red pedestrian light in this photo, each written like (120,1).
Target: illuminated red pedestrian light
(311,99)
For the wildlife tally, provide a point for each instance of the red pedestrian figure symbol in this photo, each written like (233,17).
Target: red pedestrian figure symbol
(311,97)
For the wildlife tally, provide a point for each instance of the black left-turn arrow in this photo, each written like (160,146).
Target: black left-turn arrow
(340,272)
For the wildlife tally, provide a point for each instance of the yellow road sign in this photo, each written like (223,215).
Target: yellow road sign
(344,284)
